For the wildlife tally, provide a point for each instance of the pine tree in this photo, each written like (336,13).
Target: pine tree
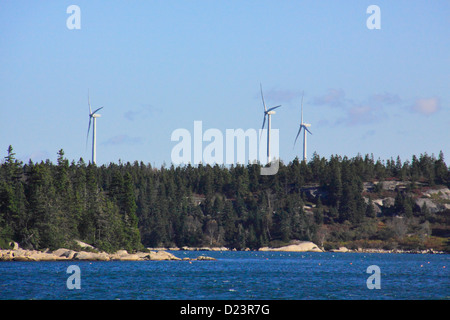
(229,225)
(335,183)
(319,212)
(370,211)
(130,218)
(11,167)
(441,170)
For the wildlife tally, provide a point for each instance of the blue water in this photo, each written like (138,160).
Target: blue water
(235,275)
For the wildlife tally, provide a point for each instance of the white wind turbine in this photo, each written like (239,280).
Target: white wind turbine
(305,128)
(267,113)
(94,116)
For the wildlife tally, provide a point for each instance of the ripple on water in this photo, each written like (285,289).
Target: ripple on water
(236,275)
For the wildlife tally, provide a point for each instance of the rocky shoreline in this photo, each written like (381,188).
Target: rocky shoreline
(161,254)
(71,255)
(307,246)
(370,250)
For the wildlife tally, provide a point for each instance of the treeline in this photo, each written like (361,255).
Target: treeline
(133,205)
(44,205)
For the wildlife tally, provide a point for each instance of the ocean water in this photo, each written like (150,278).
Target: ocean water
(235,276)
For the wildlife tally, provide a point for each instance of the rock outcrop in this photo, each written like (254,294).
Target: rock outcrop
(91,256)
(341,249)
(204,249)
(28,255)
(67,255)
(304,246)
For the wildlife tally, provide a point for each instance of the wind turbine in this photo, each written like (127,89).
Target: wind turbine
(303,126)
(267,113)
(93,116)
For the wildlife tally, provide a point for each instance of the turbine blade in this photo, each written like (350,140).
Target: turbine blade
(89,128)
(264,122)
(273,108)
(308,130)
(298,133)
(97,110)
(262,96)
(89,103)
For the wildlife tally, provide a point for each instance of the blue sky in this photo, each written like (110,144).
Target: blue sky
(157,66)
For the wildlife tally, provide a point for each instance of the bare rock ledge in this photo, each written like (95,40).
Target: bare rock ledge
(69,255)
(300,246)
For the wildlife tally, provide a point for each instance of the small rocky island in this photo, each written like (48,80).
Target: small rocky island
(90,254)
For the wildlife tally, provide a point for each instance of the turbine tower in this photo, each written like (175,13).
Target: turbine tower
(267,113)
(305,128)
(93,116)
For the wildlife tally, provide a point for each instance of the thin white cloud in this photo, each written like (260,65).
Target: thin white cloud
(142,112)
(385,98)
(426,106)
(374,108)
(357,112)
(334,97)
(280,95)
(131,115)
(360,114)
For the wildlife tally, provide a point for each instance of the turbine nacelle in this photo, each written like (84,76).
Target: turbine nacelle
(267,112)
(94,114)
